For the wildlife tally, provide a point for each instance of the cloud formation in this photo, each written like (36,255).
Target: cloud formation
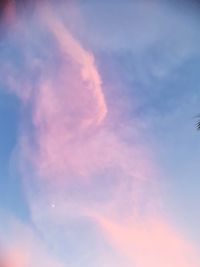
(77,166)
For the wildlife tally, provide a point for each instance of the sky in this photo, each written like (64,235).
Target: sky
(99,155)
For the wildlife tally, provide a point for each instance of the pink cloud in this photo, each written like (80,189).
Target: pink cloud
(68,102)
(9,11)
(13,258)
(22,247)
(75,147)
(149,242)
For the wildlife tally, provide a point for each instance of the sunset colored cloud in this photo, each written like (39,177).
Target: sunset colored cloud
(85,172)
(149,242)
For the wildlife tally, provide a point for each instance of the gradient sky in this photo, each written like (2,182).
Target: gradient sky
(99,156)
